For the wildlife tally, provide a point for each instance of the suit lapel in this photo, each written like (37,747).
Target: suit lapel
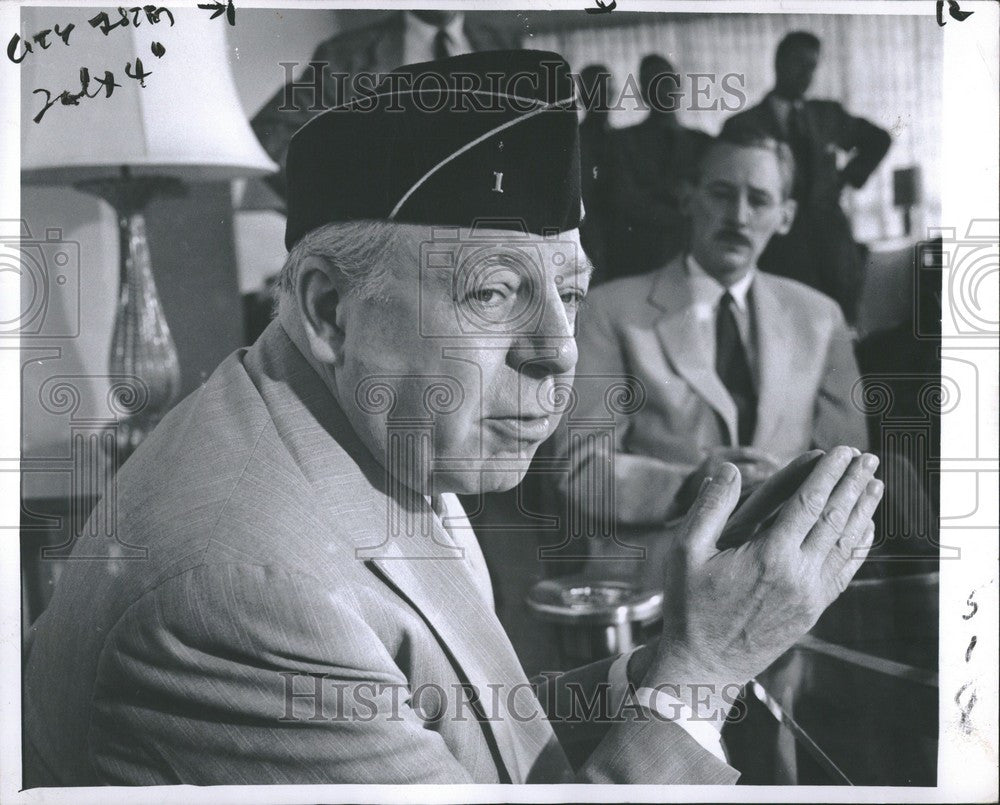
(775,347)
(684,346)
(351,492)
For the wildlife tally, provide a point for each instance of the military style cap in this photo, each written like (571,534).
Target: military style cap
(488,136)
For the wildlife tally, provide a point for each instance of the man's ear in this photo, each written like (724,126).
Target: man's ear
(788,209)
(320,298)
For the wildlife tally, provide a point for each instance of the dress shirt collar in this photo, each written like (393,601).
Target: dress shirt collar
(706,289)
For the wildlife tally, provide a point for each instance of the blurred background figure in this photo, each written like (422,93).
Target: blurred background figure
(649,166)
(595,135)
(404,37)
(832,149)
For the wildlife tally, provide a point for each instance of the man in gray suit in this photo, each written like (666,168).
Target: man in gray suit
(312,606)
(731,364)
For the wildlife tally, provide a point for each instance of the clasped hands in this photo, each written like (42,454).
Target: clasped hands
(740,590)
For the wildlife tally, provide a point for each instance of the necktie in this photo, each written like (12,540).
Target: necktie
(733,369)
(798,141)
(442,44)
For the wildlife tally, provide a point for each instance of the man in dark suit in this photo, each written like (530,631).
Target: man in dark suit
(649,165)
(403,37)
(313,606)
(820,249)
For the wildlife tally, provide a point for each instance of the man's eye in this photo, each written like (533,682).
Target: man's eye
(487,297)
(572,297)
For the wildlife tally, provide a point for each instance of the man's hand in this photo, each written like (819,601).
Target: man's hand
(729,613)
(755,467)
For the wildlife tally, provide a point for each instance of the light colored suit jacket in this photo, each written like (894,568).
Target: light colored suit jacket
(641,331)
(264,521)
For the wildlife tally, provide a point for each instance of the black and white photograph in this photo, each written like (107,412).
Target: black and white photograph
(500,402)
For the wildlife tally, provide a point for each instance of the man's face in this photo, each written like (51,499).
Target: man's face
(452,372)
(795,70)
(735,209)
(661,86)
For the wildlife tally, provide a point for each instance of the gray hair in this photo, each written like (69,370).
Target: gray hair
(359,251)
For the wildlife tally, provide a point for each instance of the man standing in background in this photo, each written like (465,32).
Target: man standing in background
(820,249)
(649,165)
(404,37)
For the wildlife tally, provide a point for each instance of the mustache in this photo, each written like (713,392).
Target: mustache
(733,235)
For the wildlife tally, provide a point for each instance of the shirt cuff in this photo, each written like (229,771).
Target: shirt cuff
(618,680)
(673,709)
(663,704)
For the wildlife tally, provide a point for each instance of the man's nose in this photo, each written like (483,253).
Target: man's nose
(547,345)
(739,210)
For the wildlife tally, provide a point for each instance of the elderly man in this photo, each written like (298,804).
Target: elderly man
(313,607)
(731,364)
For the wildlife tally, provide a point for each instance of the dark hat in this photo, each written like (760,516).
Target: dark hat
(486,137)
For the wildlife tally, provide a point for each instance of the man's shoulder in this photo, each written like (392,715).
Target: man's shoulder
(484,36)
(346,46)
(752,115)
(214,472)
(800,298)
(622,295)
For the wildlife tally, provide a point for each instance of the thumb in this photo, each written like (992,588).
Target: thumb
(711,509)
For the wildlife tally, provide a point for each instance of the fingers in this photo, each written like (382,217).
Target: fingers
(768,498)
(848,509)
(857,553)
(844,548)
(750,455)
(805,507)
(711,509)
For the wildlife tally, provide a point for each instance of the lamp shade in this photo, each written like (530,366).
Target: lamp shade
(186,123)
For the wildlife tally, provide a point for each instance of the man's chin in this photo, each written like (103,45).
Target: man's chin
(498,474)
(732,259)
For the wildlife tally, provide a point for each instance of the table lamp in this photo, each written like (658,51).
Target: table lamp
(185,125)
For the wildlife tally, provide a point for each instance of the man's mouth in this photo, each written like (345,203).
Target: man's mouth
(524,427)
